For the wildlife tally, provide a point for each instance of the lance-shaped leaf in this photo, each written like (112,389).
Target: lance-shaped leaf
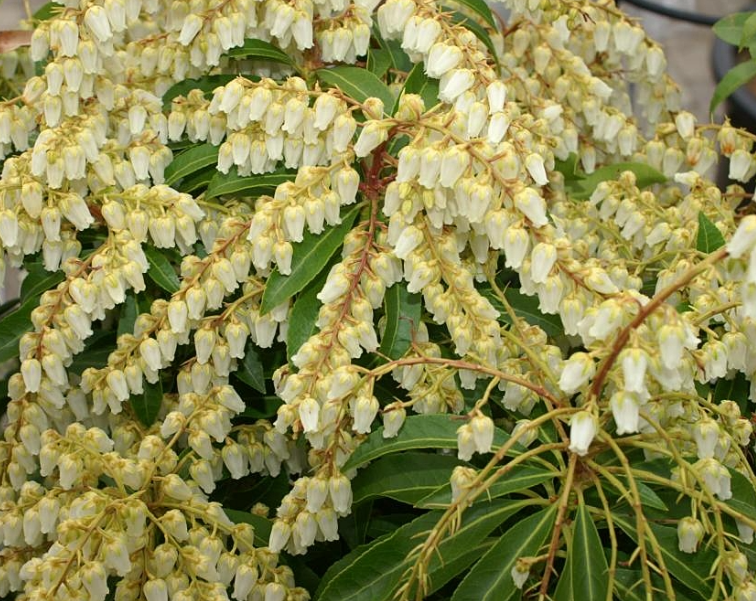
(357,83)
(248,186)
(691,569)
(262,525)
(709,237)
(146,406)
(207,84)
(402,320)
(585,576)
(308,259)
(372,572)
(480,8)
(303,317)
(418,432)
(420,474)
(251,370)
(14,325)
(161,271)
(261,50)
(491,578)
(190,162)
(520,477)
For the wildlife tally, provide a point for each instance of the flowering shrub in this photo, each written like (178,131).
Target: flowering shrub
(408,290)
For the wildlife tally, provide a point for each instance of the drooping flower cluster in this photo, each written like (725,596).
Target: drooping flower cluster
(486,166)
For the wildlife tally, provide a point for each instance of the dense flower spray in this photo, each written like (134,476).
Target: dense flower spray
(96,498)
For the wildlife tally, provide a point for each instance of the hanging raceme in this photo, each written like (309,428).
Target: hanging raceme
(413,292)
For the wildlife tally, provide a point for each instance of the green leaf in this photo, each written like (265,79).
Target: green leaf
(373,571)
(743,497)
(749,31)
(309,257)
(47,11)
(644,174)
(251,370)
(378,61)
(359,84)
(207,84)
(147,405)
(127,318)
(196,181)
(519,478)
(249,186)
(262,525)
(420,474)
(418,432)
(399,59)
(735,389)
(733,79)
(303,318)
(491,579)
(419,83)
(481,9)
(709,237)
(258,49)
(96,352)
(14,325)
(586,573)
(691,569)
(730,28)
(190,162)
(38,280)
(403,312)
(525,307)
(569,168)
(161,271)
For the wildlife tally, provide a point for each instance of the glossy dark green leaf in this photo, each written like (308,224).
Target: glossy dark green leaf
(308,259)
(418,432)
(47,11)
(709,237)
(357,83)
(190,162)
(585,576)
(519,478)
(730,28)
(262,525)
(372,572)
(195,182)
(403,312)
(207,84)
(38,280)
(735,78)
(303,318)
(251,370)
(147,405)
(735,389)
(743,498)
(249,186)
(97,349)
(644,174)
(491,578)
(691,569)
(378,61)
(13,325)
(419,83)
(526,308)
(161,271)
(399,59)
(128,315)
(258,49)
(420,474)
(480,8)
